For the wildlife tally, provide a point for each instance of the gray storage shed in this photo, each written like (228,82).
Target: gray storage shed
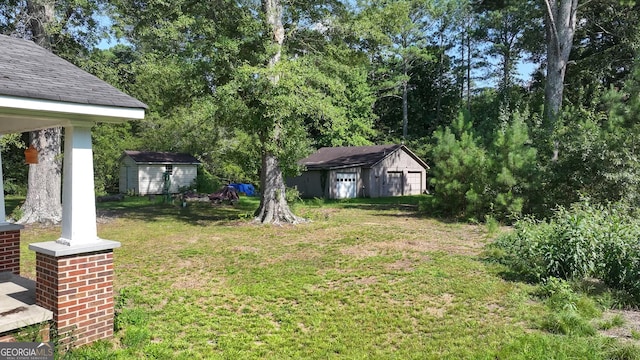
(361,171)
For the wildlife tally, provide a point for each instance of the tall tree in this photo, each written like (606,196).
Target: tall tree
(398,31)
(273,203)
(43,202)
(67,28)
(560,25)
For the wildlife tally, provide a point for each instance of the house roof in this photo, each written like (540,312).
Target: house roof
(152,157)
(30,71)
(327,158)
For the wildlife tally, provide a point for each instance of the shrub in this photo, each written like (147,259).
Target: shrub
(576,243)
(292,195)
(205,182)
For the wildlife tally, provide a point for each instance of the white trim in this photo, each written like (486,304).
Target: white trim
(71,108)
(23,114)
(53,248)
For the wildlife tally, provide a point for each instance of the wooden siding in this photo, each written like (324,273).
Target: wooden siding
(128,176)
(147,179)
(309,184)
(150,178)
(373,182)
(381,183)
(183,176)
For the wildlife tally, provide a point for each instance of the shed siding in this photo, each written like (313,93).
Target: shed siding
(183,176)
(150,178)
(398,174)
(309,184)
(128,176)
(387,171)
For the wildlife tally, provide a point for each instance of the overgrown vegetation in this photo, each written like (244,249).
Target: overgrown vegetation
(368,278)
(583,241)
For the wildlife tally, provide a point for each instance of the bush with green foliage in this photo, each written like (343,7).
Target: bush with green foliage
(580,242)
(205,182)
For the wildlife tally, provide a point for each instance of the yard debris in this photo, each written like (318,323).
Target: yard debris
(105,198)
(227,193)
(191,196)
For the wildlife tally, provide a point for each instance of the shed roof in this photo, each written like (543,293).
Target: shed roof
(30,71)
(351,156)
(154,157)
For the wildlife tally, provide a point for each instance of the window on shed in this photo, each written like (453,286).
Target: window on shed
(168,169)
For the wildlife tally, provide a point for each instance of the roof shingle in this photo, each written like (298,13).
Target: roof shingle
(351,156)
(27,70)
(161,157)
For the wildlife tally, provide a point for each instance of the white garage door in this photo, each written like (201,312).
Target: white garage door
(345,185)
(414,183)
(393,186)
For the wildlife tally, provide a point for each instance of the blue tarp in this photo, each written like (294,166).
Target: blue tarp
(248,189)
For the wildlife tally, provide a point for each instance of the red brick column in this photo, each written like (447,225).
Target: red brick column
(10,249)
(78,289)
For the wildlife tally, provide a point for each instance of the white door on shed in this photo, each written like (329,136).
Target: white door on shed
(393,186)
(414,183)
(346,185)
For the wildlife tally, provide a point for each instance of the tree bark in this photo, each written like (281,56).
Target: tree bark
(273,203)
(43,201)
(560,28)
(405,106)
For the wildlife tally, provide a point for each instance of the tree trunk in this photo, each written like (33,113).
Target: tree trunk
(560,28)
(469,72)
(43,201)
(405,107)
(273,203)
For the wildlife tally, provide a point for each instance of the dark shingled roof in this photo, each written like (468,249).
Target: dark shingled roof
(161,157)
(351,156)
(29,71)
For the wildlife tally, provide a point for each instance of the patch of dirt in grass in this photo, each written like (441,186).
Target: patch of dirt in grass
(629,330)
(189,282)
(406,264)
(460,247)
(369,280)
(246,249)
(434,306)
(359,251)
(401,265)
(305,255)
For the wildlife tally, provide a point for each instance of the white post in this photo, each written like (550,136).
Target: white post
(78,195)
(3,214)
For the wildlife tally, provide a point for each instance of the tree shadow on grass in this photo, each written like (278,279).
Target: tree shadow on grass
(199,214)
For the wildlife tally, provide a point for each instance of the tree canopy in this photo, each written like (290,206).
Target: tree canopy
(241,83)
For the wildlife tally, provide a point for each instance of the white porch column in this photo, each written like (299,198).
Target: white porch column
(3,214)
(78,194)
(79,228)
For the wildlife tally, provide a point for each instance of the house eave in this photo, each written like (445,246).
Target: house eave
(167,163)
(409,152)
(340,167)
(24,114)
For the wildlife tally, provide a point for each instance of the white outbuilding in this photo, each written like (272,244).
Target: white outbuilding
(153,173)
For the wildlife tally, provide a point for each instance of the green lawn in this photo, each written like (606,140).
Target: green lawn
(363,280)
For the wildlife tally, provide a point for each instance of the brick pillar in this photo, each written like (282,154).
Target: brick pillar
(10,248)
(78,289)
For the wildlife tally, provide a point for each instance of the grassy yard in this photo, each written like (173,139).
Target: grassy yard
(363,280)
